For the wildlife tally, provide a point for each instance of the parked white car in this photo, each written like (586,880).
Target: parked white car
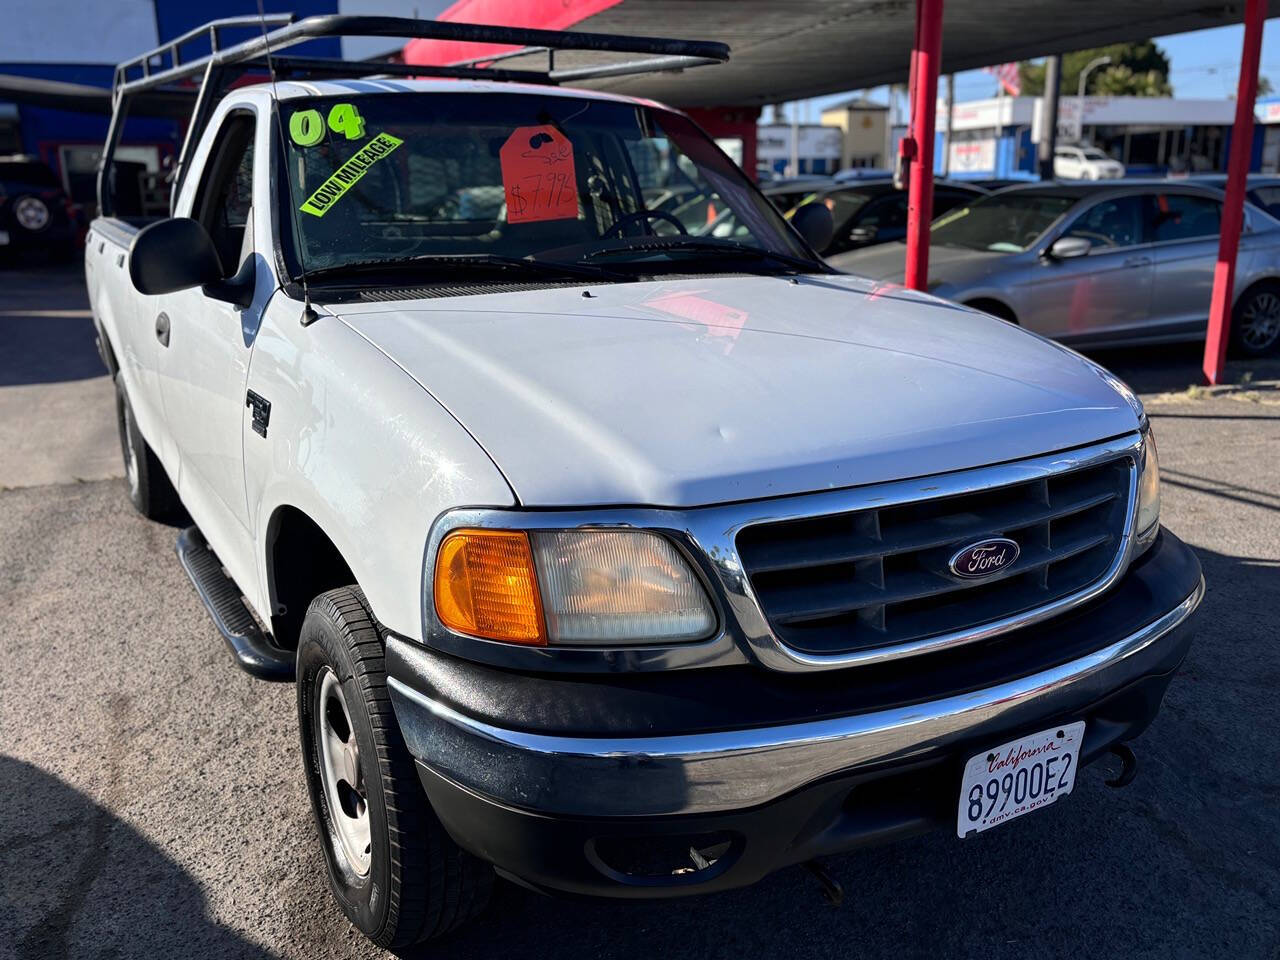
(620,561)
(1085,163)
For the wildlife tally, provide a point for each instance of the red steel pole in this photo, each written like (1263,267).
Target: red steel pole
(925,60)
(1224,274)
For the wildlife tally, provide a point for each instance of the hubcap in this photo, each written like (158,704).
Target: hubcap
(1260,321)
(31,213)
(341,776)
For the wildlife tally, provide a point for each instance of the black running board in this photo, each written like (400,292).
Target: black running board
(253,650)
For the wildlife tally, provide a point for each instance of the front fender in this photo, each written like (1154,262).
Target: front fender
(363,450)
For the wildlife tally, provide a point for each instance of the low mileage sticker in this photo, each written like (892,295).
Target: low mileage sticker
(349,174)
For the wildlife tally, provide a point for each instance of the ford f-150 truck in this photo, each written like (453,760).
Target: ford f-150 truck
(606,553)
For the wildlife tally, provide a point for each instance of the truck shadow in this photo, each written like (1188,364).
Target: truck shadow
(1183,862)
(1176,367)
(79,882)
(45,326)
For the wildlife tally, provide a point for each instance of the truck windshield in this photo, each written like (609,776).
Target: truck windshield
(1001,223)
(412,179)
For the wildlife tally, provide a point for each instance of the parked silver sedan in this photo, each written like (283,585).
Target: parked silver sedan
(1098,264)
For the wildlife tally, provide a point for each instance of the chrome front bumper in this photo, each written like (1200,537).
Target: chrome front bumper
(738,769)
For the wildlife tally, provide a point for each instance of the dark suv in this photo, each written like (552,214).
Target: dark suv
(34,211)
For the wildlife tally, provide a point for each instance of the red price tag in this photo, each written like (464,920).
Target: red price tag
(537,175)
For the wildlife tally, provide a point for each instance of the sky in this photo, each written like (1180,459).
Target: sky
(1204,64)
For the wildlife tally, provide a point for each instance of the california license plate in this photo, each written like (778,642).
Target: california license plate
(1017,777)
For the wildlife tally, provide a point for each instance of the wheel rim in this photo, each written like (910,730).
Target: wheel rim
(342,776)
(1260,321)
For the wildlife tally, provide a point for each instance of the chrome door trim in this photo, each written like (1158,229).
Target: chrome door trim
(708,538)
(733,769)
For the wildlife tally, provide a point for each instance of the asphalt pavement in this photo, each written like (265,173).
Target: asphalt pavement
(152,805)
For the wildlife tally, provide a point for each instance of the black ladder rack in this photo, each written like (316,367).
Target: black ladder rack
(165,67)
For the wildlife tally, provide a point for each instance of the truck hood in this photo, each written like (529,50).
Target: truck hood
(704,390)
(952,265)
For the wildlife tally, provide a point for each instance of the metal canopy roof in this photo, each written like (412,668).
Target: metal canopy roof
(790,49)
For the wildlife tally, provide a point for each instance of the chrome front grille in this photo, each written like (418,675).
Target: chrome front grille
(846,582)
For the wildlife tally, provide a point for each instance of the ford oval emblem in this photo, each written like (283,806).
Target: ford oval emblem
(984,558)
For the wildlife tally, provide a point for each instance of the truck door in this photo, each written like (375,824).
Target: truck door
(205,344)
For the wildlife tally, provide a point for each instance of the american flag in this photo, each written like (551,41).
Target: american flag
(1007,74)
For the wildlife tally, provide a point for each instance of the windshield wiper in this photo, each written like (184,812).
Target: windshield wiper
(448,262)
(726,248)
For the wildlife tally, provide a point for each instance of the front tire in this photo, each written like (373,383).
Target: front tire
(393,869)
(1255,322)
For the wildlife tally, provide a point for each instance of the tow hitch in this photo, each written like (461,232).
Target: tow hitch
(832,891)
(1129,768)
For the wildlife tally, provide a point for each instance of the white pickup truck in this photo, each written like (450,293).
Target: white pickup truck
(617,557)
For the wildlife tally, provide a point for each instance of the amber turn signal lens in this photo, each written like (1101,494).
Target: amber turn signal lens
(485,586)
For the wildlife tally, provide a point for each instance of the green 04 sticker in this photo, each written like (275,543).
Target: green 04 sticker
(307,128)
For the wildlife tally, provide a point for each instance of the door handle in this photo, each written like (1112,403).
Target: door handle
(1140,261)
(162,329)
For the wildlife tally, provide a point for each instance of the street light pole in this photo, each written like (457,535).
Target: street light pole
(1049,115)
(1084,74)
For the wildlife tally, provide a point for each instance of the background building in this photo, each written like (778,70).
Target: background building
(1151,136)
(864,126)
(1268,113)
(783,149)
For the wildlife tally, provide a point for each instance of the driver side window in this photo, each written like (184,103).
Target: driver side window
(1110,224)
(225,197)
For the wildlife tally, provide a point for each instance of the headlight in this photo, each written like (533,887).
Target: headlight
(1147,524)
(574,587)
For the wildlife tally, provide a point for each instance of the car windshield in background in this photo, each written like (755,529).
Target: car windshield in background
(1001,223)
(788,200)
(411,180)
(844,204)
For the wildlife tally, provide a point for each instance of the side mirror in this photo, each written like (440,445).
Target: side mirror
(174,254)
(813,222)
(1068,248)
